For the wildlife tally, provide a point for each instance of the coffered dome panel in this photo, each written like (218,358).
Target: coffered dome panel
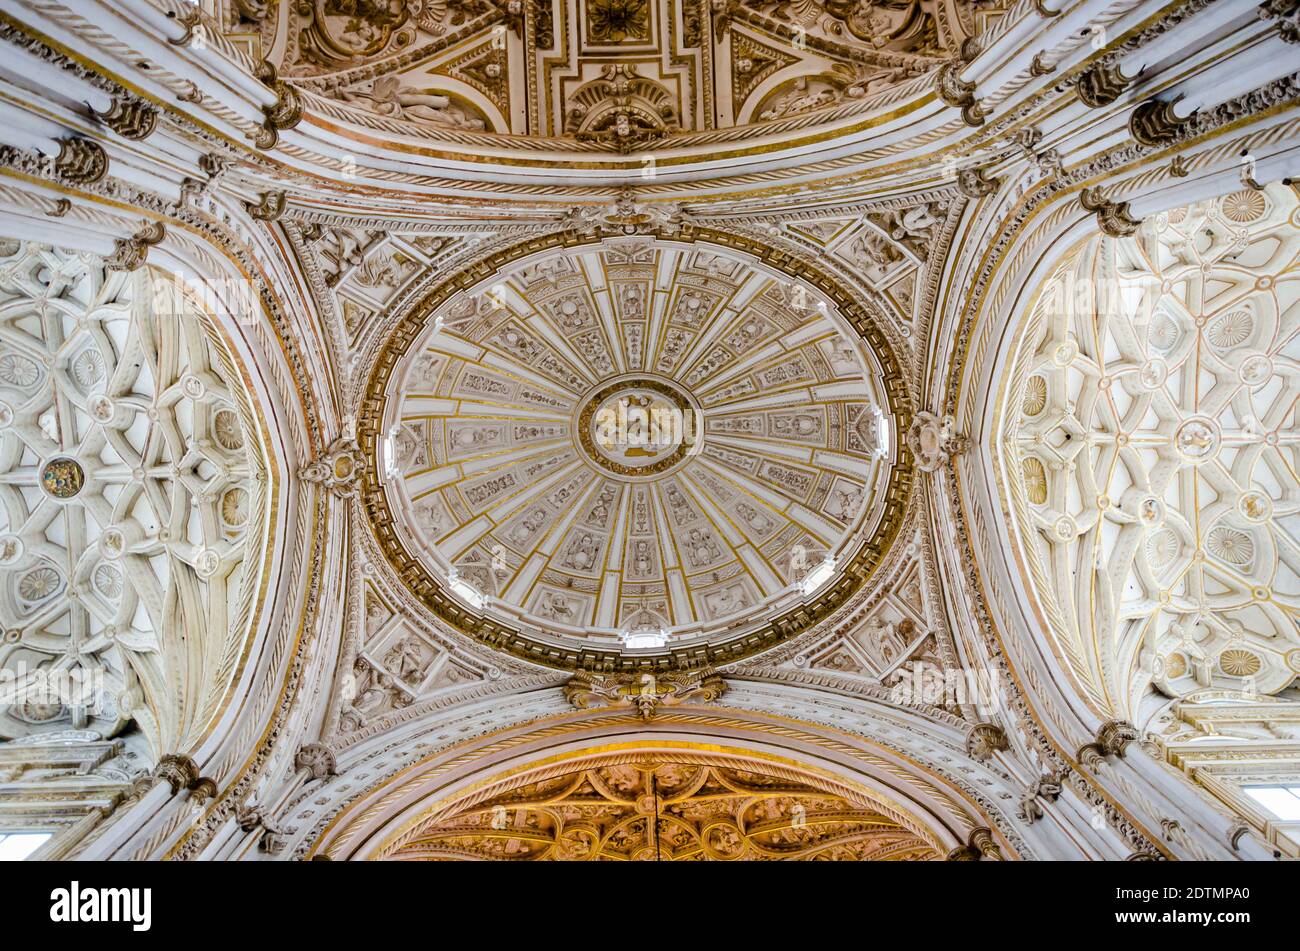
(635,444)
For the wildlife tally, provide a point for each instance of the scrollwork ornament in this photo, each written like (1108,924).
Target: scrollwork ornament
(645,692)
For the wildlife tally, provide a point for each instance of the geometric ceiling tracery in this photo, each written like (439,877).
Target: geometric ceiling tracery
(497,456)
(654,808)
(1152,445)
(133,500)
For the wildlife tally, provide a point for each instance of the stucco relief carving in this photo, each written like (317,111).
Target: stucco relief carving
(142,526)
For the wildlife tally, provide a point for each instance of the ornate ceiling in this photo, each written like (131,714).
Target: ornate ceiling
(604,75)
(133,497)
(654,808)
(585,379)
(516,463)
(1151,446)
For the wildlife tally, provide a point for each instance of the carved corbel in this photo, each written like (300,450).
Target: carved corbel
(1112,738)
(81,161)
(129,253)
(1236,831)
(1154,123)
(976,183)
(1040,7)
(957,92)
(181,772)
(269,207)
(979,845)
(130,118)
(317,759)
(1112,217)
(284,113)
(1100,85)
(1287,15)
(985,739)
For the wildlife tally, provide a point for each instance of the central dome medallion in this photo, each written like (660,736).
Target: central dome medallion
(639,426)
(637,444)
